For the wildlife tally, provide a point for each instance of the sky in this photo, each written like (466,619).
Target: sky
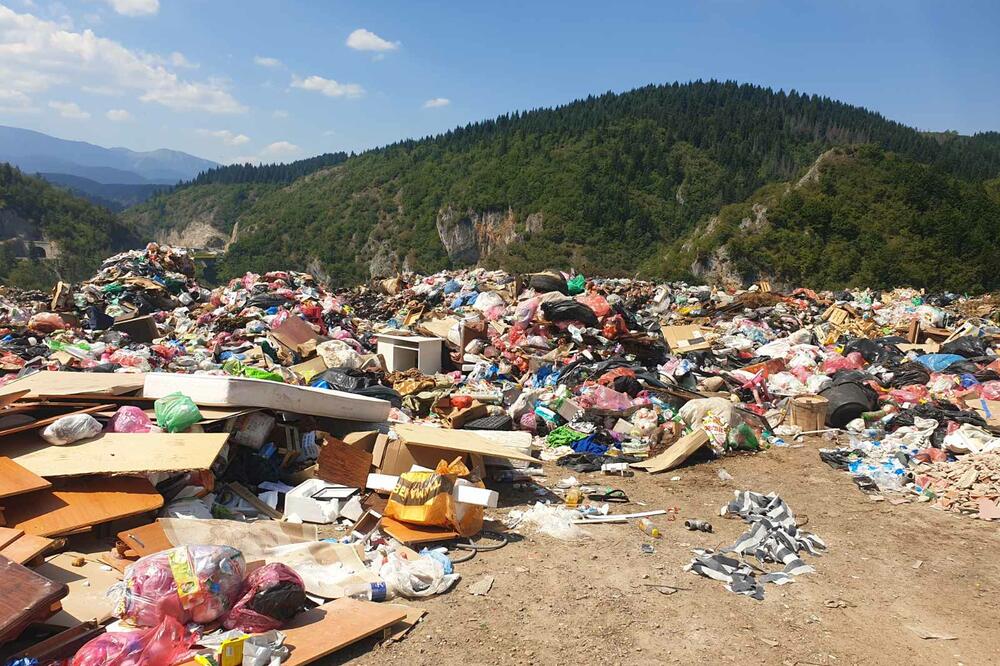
(248,80)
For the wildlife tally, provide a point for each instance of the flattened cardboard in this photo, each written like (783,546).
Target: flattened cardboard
(333,626)
(683,339)
(54,383)
(16,480)
(88,585)
(118,453)
(408,534)
(462,441)
(40,423)
(76,503)
(138,329)
(296,335)
(676,454)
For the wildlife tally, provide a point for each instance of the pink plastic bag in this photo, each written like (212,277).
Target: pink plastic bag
(853,361)
(46,322)
(989,390)
(525,311)
(270,596)
(595,302)
(914,393)
(601,397)
(162,645)
(129,418)
(211,577)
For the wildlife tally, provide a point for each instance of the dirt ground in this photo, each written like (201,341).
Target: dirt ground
(890,572)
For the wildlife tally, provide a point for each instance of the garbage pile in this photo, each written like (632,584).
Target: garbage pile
(270,455)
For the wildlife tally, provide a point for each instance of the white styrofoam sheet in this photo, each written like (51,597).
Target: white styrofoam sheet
(215,390)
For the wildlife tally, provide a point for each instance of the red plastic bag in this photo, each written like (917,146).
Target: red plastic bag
(129,419)
(914,393)
(162,645)
(853,361)
(270,596)
(595,302)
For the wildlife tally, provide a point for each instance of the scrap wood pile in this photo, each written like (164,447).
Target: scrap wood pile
(266,459)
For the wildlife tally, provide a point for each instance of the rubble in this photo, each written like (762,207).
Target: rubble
(324,436)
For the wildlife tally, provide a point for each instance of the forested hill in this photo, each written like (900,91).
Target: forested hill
(83,233)
(607,184)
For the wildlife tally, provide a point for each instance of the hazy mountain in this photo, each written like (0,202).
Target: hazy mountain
(35,152)
(115,197)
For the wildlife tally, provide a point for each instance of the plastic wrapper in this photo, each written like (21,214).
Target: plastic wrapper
(414,578)
(188,583)
(425,498)
(130,418)
(176,412)
(69,429)
(162,645)
(269,597)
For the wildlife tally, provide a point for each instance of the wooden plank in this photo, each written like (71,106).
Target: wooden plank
(80,503)
(342,463)
(415,534)
(403,627)
(676,454)
(16,480)
(88,585)
(146,539)
(25,597)
(244,493)
(40,423)
(118,453)
(8,536)
(325,629)
(55,383)
(10,398)
(27,547)
(462,441)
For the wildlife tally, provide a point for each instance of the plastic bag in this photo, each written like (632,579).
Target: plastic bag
(189,583)
(554,520)
(46,322)
(71,429)
(576,284)
(602,397)
(595,302)
(693,412)
(525,311)
(425,498)
(413,579)
(176,412)
(570,311)
(270,596)
(161,645)
(939,362)
(130,418)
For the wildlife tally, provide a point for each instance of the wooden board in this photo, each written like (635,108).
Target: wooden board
(676,454)
(27,547)
(54,383)
(145,539)
(16,480)
(404,626)
(342,463)
(415,534)
(263,508)
(117,453)
(80,503)
(25,597)
(41,423)
(87,584)
(325,629)
(8,536)
(462,441)
(10,398)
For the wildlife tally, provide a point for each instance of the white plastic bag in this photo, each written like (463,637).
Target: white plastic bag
(413,579)
(338,354)
(553,519)
(71,429)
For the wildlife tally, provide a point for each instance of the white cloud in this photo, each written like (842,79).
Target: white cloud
(264,61)
(436,102)
(366,40)
(243,159)
(280,149)
(135,7)
(328,133)
(230,138)
(36,54)
(328,87)
(118,115)
(177,59)
(15,101)
(279,113)
(107,91)
(69,110)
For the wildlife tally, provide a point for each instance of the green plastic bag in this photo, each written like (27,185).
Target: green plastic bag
(176,412)
(576,284)
(234,367)
(742,438)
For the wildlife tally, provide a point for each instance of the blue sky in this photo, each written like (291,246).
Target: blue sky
(276,81)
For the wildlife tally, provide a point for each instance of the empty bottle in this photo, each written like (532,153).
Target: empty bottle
(646,525)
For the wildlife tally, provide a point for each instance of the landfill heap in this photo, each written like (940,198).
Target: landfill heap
(263,459)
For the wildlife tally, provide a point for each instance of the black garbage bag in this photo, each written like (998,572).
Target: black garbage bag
(96,320)
(872,350)
(570,311)
(546,282)
(961,368)
(628,385)
(909,374)
(267,300)
(968,346)
(349,380)
(382,393)
(627,316)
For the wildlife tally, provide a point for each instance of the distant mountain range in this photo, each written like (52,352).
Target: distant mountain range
(88,169)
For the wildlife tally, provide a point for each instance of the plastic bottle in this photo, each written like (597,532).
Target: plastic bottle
(573,497)
(366,591)
(646,525)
